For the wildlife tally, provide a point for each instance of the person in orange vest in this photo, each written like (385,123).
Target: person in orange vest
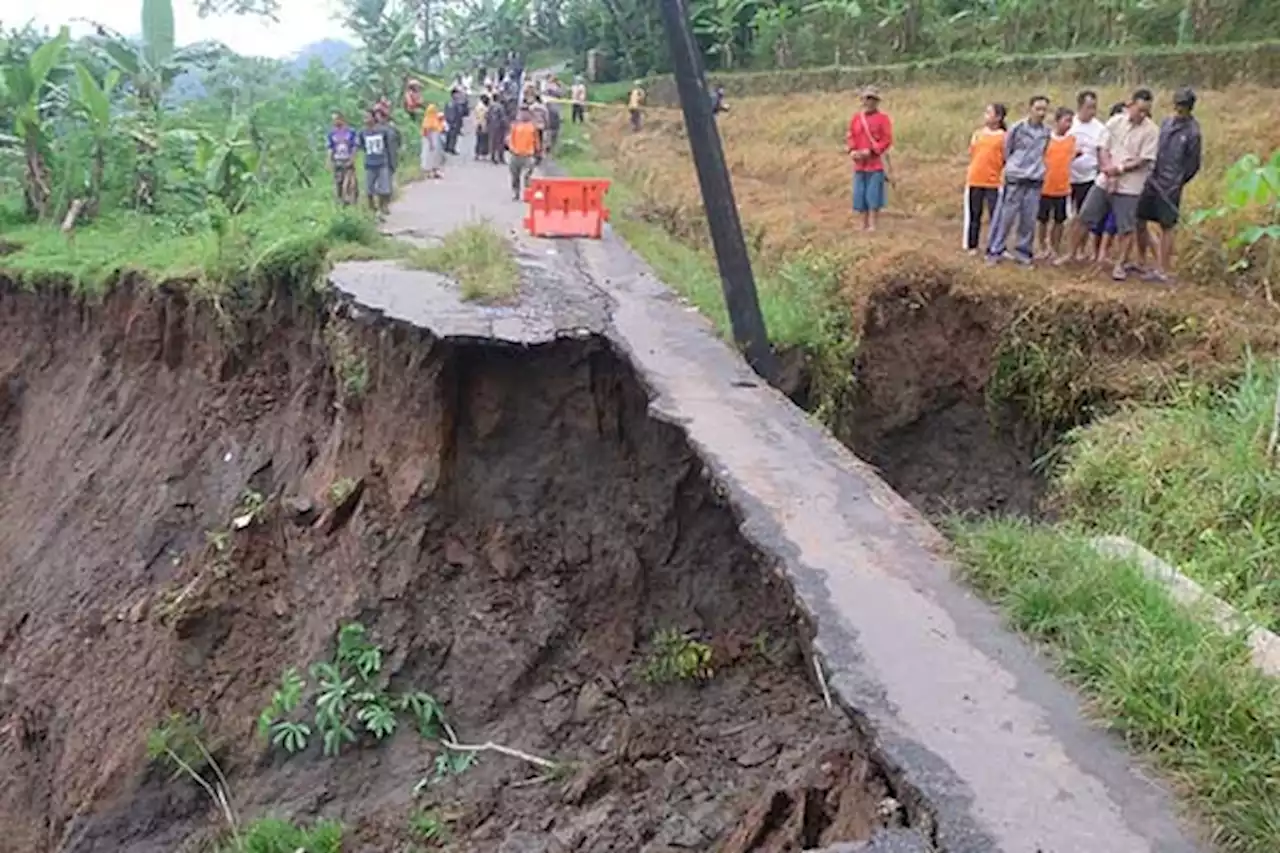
(524,142)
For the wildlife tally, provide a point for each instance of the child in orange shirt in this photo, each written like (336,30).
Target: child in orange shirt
(985,175)
(1057,184)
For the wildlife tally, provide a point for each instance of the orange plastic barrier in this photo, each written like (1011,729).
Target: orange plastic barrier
(566,207)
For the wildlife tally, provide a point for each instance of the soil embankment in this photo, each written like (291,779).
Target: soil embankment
(512,527)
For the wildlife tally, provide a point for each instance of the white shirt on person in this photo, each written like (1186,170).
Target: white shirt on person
(1090,136)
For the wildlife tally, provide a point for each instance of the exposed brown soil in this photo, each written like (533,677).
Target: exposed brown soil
(520,530)
(918,412)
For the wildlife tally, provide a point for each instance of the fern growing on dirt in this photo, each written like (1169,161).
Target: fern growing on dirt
(347,699)
(677,656)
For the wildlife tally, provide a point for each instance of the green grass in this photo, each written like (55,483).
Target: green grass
(271,835)
(798,298)
(610,93)
(478,257)
(1176,689)
(1192,482)
(189,249)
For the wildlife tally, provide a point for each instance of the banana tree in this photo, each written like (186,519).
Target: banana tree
(149,68)
(26,95)
(230,163)
(773,25)
(92,100)
(388,34)
(721,23)
(841,12)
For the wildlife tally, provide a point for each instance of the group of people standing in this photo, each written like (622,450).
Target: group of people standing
(515,124)
(380,141)
(1111,179)
(1052,180)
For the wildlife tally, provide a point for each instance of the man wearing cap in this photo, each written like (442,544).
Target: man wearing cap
(1177,162)
(869,138)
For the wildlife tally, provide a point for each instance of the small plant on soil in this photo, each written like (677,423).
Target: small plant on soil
(250,510)
(341,489)
(428,827)
(272,835)
(178,741)
(347,698)
(677,656)
(350,367)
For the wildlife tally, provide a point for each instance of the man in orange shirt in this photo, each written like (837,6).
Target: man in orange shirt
(1057,183)
(524,143)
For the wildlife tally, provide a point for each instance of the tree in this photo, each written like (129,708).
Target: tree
(842,12)
(149,68)
(25,96)
(722,23)
(92,100)
(388,34)
(261,8)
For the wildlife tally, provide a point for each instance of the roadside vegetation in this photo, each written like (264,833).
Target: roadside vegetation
(112,165)
(773,34)
(478,257)
(1180,692)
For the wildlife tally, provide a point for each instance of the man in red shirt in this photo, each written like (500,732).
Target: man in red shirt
(869,138)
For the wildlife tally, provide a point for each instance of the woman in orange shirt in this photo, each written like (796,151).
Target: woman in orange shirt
(1057,183)
(986,173)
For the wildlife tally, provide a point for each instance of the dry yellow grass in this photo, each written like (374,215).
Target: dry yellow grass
(787,153)
(1070,339)
(792,182)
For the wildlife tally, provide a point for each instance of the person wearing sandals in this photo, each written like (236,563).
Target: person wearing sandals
(1178,159)
(1128,155)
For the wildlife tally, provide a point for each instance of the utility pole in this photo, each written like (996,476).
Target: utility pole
(736,278)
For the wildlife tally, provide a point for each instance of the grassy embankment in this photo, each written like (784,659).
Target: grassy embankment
(294,234)
(1174,454)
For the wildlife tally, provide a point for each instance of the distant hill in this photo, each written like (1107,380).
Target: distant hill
(334,54)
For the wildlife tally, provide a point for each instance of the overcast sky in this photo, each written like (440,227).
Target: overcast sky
(301,22)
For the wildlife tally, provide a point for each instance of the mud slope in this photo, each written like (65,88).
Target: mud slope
(518,530)
(920,416)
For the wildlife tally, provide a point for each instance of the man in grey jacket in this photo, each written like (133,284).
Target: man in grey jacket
(1024,148)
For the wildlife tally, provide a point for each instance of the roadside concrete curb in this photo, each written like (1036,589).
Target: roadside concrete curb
(1264,646)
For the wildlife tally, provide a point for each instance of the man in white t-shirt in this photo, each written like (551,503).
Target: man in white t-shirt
(1090,136)
(1089,133)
